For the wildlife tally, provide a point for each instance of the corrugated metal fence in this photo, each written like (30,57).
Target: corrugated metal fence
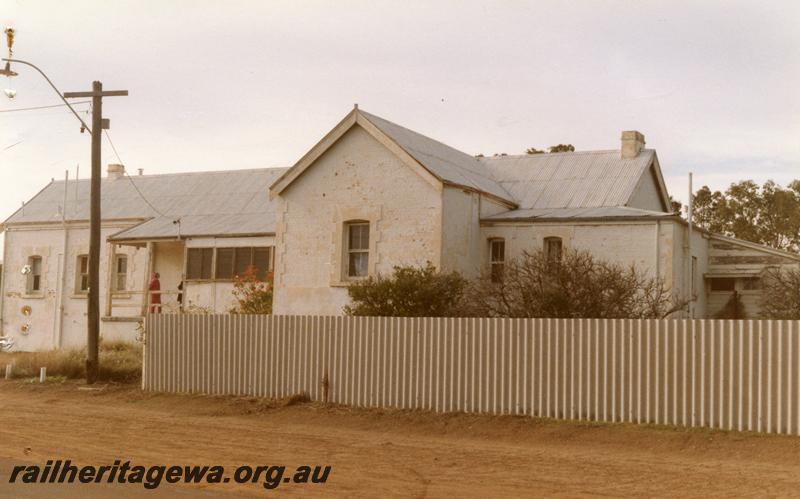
(739,375)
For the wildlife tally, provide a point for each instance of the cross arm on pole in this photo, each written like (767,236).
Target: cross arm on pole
(105,93)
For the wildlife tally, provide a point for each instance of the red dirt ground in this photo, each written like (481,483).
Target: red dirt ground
(383,453)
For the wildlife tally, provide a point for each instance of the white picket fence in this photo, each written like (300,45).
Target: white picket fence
(740,375)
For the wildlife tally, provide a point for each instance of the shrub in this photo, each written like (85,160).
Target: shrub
(253,296)
(780,296)
(408,292)
(576,286)
(733,309)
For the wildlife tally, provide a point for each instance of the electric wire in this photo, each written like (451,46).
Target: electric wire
(144,198)
(16,110)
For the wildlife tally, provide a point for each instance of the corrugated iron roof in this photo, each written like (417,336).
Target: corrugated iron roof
(447,163)
(221,202)
(583,179)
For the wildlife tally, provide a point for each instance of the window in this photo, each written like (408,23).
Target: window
(82,274)
(198,263)
(723,284)
(34,281)
(357,249)
(120,272)
(262,261)
(497,259)
(231,262)
(553,249)
(750,283)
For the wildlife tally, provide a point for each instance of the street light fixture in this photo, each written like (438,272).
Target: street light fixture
(10,93)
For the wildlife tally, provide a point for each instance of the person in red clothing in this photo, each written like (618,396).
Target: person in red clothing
(155,294)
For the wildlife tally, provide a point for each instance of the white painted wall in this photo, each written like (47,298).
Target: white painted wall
(48,243)
(357,177)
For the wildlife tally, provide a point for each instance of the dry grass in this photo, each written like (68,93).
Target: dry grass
(297,398)
(119,362)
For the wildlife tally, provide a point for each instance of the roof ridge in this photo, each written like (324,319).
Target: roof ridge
(550,154)
(474,167)
(175,174)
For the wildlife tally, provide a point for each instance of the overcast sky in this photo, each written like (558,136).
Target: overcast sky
(246,84)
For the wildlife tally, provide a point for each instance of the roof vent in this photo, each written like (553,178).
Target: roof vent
(632,144)
(115,171)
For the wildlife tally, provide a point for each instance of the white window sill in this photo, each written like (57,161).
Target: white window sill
(36,296)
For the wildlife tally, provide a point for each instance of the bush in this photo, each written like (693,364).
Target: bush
(733,309)
(780,296)
(408,292)
(576,286)
(119,362)
(253,296)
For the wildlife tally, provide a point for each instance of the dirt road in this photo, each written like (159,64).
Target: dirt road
(385,453)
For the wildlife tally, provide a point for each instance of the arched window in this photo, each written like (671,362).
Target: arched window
(34,280)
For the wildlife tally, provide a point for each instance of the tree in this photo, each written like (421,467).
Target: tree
(562,148)
(577,286)
(533,150)
(253,296)
(675,205)
(767,214)
(408,292)
(780,294)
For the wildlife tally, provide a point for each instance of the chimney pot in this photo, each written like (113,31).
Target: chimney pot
(632,144)
(141,171)
(115,171)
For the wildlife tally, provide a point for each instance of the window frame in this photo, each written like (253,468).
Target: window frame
(549,242)
(211,264)
(33,281)
(80,275)
(497,266)
(235,257)
(362,250)
(117,275)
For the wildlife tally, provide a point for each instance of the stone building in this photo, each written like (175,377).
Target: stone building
(370,195)
(197,228)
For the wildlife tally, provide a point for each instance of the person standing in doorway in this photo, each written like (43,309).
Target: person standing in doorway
(155,294)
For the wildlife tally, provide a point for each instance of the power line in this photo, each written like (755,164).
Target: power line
(12,145)
(108,137)
(41,107)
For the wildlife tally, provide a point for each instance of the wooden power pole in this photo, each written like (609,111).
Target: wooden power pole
(98,125)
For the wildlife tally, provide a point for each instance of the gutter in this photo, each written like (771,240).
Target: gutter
(490,221)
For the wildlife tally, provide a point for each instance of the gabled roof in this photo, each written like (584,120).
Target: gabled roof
(445,164)
(450,165)
(586,179)
(590,179)
(208,203)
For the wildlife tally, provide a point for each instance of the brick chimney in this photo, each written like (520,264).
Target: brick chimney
(632,144)
(115,171)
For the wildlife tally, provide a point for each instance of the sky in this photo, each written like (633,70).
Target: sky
(713,85)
